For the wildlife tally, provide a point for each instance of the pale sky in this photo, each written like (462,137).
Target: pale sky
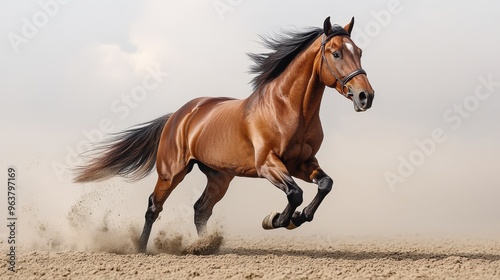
(70,67)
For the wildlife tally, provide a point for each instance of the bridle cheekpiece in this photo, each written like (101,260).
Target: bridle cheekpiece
(346,78)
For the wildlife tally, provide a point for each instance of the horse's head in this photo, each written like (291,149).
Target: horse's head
(341,65)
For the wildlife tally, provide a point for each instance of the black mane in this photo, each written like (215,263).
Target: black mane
(284,48)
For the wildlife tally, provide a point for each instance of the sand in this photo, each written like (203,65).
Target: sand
(264,257)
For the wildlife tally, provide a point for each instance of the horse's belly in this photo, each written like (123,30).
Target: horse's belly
(227,154)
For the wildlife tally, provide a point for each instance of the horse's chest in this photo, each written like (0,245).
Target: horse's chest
(299,152)
(304,145)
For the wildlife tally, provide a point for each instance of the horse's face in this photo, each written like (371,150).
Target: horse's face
(341,66)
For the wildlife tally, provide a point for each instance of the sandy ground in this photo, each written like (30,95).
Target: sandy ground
(273,258)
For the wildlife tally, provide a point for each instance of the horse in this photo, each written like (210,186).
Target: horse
(274,133)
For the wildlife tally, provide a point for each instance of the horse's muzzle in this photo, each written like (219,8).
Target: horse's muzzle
(362,100)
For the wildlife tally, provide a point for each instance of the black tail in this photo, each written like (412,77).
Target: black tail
(131,154)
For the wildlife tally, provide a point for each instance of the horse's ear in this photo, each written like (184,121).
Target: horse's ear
(327,27)
(349,27)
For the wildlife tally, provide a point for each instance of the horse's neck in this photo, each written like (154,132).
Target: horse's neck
(298,90)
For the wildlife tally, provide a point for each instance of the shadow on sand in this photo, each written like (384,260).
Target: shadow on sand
(358,255)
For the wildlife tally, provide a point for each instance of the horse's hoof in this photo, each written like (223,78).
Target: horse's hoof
(291,225)
(267,223)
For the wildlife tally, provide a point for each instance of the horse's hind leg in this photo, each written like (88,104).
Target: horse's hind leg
(217,184)
(164,186)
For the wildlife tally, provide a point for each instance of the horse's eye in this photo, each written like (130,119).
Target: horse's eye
(336,55)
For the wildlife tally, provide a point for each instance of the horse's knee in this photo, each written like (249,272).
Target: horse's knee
(295,196)
(325,185)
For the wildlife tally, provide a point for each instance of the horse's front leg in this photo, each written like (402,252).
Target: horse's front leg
(312,173)
(275,171)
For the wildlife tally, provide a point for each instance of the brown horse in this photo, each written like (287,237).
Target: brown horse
(275,133)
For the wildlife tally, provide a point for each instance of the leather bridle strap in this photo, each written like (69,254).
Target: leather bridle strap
(348,77)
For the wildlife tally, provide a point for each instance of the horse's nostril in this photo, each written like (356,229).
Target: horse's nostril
(363,99)
(362,96)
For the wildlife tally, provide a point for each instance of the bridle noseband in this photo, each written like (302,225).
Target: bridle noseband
(348,77)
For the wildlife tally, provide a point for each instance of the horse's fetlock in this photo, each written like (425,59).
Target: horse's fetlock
(308,216)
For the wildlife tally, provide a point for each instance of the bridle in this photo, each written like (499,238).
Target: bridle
(348,77)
